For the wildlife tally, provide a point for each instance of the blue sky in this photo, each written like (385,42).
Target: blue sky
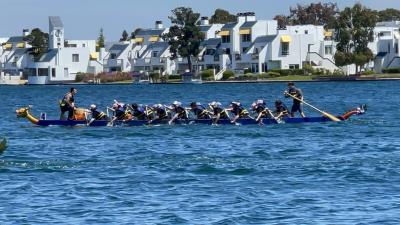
(84,18)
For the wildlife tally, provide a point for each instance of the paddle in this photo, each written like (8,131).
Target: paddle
(331,117)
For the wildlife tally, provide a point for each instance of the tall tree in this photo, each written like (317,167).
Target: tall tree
(283,21)
(124,36)
(322,14)
(389,15)
(39,42)
(354,30)
(222,16)
(100,40)
(184,37)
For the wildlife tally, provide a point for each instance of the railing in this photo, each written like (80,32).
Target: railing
(220,74)
(255,56)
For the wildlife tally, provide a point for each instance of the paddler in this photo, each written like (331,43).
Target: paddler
(179,112)
(139,112)
(218,112)
(67,104)
(281,110)
(297,104)
(238,111)
(96,115)
(160,112)
(121,111)
(199,111)
(261,109)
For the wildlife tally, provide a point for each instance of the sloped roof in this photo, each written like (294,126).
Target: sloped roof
(55,21)
(48,56)
(205,28)
(265,39)
(249,24)
(162,46)
(151,32)
(16,39)
(229,26)
(118,47)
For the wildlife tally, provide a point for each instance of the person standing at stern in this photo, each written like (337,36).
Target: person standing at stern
(297,96)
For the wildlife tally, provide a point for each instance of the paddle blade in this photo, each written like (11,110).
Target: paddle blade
(331,117)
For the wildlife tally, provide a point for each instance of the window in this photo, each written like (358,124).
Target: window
(84,45)
(388,48)
(228,51)
(328,50)
(43,72)
(396,48)
(154,54)
(53,72)
(285,48)
(66,74)
(226,39)
(306,32)
(246,37)
(113,56)
(244,49)
(15,58)
(294,66)
(75,57)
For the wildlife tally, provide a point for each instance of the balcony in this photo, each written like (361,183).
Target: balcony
(255,56)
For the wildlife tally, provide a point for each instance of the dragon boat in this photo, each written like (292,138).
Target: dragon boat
(25,113)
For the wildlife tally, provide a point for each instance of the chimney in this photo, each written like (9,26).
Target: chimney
(250,17)
(205,21)
(159,25)
(241,17)
(25,32)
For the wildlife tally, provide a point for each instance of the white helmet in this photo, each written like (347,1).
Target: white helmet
(93,106)
(176,103)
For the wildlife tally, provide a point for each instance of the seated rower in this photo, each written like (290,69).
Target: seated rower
(199,111)
(218,112)
(121,112)
(160,113)
(179,112)
(262,111)
(238,111)
(281,110)
(96,115)
(139,112)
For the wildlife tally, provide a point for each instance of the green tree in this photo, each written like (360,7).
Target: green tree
(39,42)
(124,36)
(283,21)
(222,16)
(389,15)
(135,32)
(354,30)
(184,37)
(100,40)
(320,14)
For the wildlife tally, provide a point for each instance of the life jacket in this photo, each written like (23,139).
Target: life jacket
(98,115)
(122,113)
(240,111)
(221,111)
(161,113)
(140,113)
(282,108)
(64,102)
(201,113)
(260,108)
(182,114)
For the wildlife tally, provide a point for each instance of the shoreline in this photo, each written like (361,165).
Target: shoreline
(344,79)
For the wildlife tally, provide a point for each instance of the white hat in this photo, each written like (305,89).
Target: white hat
(176,103)
(260,101)
(157,106)
(93,106)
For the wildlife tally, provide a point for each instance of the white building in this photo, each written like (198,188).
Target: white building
(386,46)
(64,58)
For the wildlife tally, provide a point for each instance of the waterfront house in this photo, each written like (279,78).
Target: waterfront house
(386,46)
(64,58)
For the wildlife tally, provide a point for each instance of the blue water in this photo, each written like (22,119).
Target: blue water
(324,173)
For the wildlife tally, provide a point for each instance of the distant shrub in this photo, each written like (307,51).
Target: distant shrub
(227,75)
(175,77)
(207,74)
(83,77)
(247,71)
(368,72)
(274,74)
(391,70)
(114,77)
(338,72)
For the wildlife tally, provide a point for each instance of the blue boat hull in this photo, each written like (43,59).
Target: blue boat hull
(135,123)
